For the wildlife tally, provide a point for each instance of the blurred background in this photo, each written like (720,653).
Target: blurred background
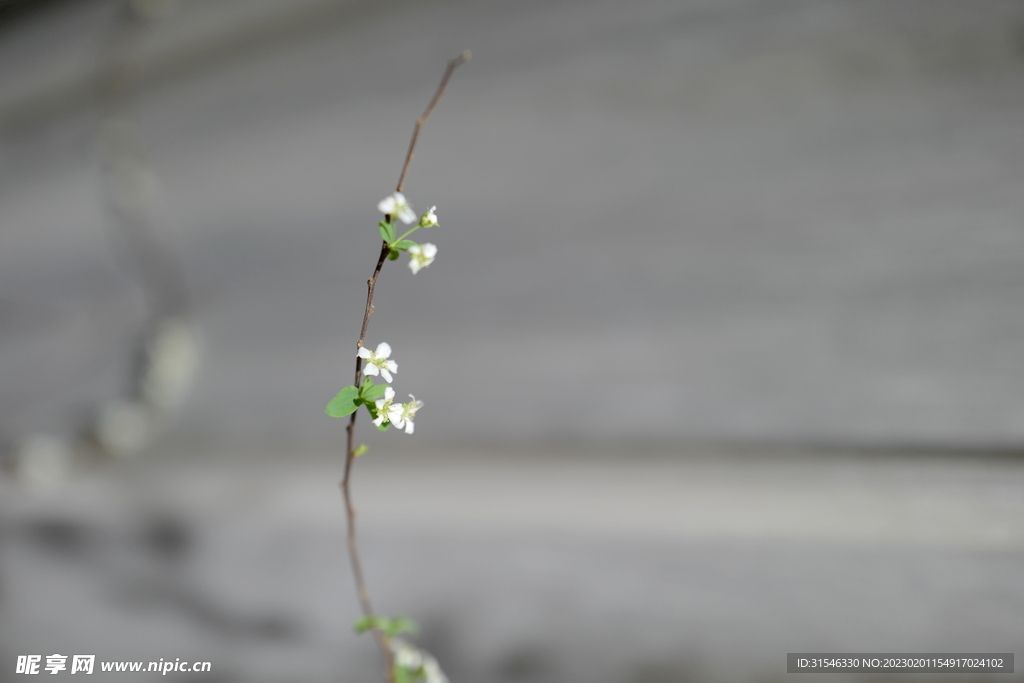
(720,354)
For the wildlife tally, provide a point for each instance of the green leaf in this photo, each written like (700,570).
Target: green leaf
(383,427)
(345,403)
(398,625)
(393,256)
(403,244)
(387,231)
(403,675)
(392,626)
(360,449)
(365,624)
(373,392)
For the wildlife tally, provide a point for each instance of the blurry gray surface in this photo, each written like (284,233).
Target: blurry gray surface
(746,219)
(661,568)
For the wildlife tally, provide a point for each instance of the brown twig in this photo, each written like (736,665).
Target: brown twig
(452,65)
(350,512)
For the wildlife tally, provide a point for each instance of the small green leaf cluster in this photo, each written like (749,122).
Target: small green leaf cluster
(350,398)
(410,664)
(391,626)
(387,233)
(397,245)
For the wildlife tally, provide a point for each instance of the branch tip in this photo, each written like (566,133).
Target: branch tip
(452,65)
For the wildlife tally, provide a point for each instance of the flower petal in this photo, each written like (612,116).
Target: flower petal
(383,350)
(406,215)
(364,352)
(387,205)
(371,369)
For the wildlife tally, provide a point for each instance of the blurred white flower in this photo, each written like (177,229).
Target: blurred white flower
(396,205)
(377,362)
(432,671)
(408,414)
(43,461)
(429,219)
(386,411)
(422,665)
(406,656)
(124,427)
(173,354)
(422,255)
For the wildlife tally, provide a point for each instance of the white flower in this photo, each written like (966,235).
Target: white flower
(429,219)
(432,671)
(406,656)
(422,665)
(396,205)
(377,362)
(386,412)
(173,359)
(422,256)
(408,414)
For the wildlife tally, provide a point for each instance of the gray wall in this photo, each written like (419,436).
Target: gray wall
(741,220)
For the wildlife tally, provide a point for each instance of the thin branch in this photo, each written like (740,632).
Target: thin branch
(452,65)
(350,512)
